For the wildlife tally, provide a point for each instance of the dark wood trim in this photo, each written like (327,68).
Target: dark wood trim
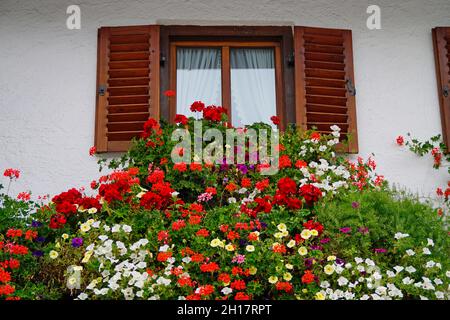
(226,82)
(300,98)
(442,63)
(281,34)
(351,99)
(101,112)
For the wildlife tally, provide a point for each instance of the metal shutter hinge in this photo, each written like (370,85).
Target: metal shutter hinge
(102,90)
(350,87)
(446,91)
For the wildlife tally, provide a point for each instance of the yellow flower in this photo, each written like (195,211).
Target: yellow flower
(273,279)
(92,210)
(320,296)
(287,276)
(306,234)
(291,244)
(222,244)
(302,251)
(91,221)
(53,254)
(314,232)
(305,290)
(57,245)
(278,235)
(65,236)
(281,227)
(229,247)
(250,248)
(289,266)
(284,233)
(252,270)
(72,280)
(87,256)
(85,227)
(331,258)
(329,269)
(215,242)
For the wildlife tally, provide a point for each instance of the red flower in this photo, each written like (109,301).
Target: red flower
(241,296)
(211,190)
(202,233)
(261,185)
(284,162)
(287,185)
(195,166)
(169,93)
(197,257)
(315,136)
(205,290)
(5,276)
(185,281)
(179,224)
(181,167)
(238,285)
(310,224)
(284,286)
(246,183)
(400,140)
(156,176)
(224,278)
(12,173)
(214,113)
(279,248)
(439,192)
(6,290)
(300,164)
(209,267)
(163,256)
(14,233)
(308,277)
(179,118)
(197,106)
(163,235)
(310,193)
(92,151)
(275,120)
(151,200)
(231,187)
(13,263)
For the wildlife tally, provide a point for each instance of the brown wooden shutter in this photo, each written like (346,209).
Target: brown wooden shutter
(441,41)
(127,84)
(324,81)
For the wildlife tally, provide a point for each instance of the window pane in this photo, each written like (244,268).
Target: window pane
(253,94)
(198,77)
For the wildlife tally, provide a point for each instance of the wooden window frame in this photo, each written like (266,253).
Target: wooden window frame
(225,47)
(280,35)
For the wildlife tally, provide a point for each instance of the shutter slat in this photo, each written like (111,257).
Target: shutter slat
(128,68)
(441,44)
(323,68)
(122,82)
(126,126)
(128,108)
(123,117)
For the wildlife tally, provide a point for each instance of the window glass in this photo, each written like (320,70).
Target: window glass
(253,93)
(198,77)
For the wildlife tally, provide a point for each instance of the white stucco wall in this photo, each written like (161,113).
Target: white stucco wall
(47,77)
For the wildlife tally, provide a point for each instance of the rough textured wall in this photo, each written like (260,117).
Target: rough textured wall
(47,77)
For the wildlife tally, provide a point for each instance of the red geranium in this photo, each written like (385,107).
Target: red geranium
(287,186)
(179,118)
(197,106)
(275,120)
(308,277)
(310,193)
(400,140)
(12,173)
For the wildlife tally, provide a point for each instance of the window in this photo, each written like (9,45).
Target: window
(441,42)
(303,75)
(240,76)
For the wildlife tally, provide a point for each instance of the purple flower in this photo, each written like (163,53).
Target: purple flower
(345,230)
(243,242)
(240,258)
(77,242)
(309,262)
(40,239)
(38,253)
(243,168)
(340,261)
(363,230)
(380,250)
(324,240)
(316,248)
(355,204)
(36,224)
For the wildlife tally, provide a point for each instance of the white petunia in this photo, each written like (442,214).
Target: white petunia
(410,269)
(226,290)
(410,252)
(400,235)
(342,281)
(430,242)
(426,251)
(82,296)
(126,228)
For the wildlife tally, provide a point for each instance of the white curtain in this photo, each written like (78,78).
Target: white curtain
(253,91)
(198,78)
